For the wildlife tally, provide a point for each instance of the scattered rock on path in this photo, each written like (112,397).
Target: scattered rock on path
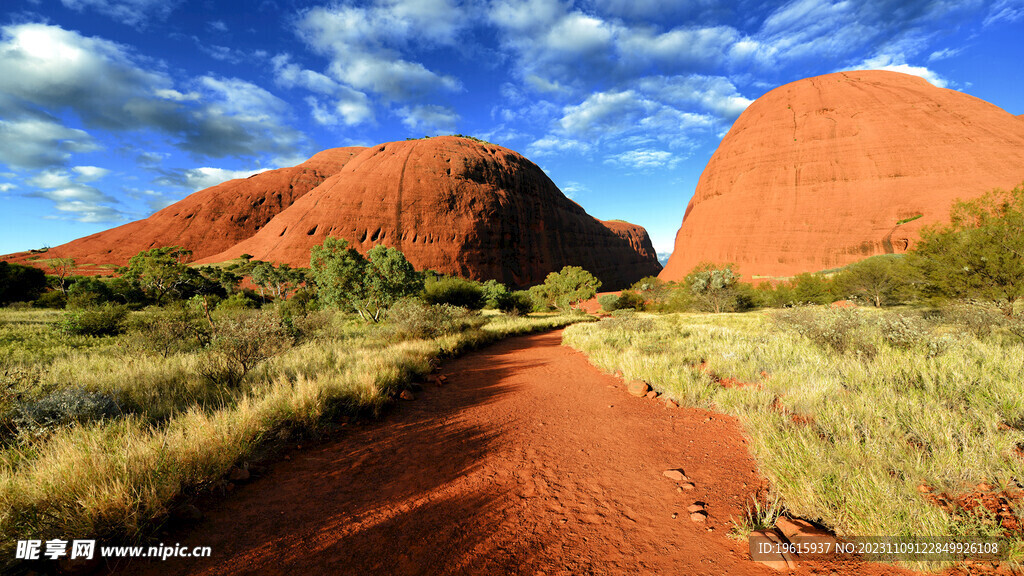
(671,403)
(687,486)
(675,474)
(652,394)
(800,531)
(696,507)
(699,517)
(638,387)
(407,395)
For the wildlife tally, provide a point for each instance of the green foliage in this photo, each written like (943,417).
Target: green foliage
(454,291)
(51,299)
(20,283)
(159,272)
(412,318)
(176,328)
(494,294)
(626,300)
(566,288)
(105,320)
(240,342)
(975,317)
(881,280)
(608,302)
(812,289)
(832,329)
(980,254)
(88,292)
(516,303)
(367,286)
(279,281)
(713,289)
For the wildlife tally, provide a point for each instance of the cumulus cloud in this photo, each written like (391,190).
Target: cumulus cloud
(573,189)
(73,198)
(46,69)
(645,159)
(896,64)
(365,45)
(196,179)
(345,105)
(429,117)
(131,12)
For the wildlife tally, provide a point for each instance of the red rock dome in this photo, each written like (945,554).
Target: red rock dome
(829,170)
(210,220)
(457,206)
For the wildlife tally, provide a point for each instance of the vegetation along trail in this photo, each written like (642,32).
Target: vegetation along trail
(527,460)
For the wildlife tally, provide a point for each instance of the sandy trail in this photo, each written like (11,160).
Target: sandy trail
(528,461)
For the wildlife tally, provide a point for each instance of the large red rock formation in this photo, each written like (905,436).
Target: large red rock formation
(821,172)
(457,206)
(210,220)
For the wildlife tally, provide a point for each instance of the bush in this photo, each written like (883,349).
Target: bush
(106,320)
(978,318)
(20,283)
(608,302)
(62,408)
(454,291)
(52,299)
(240,342)
(238,301)
(516,303)
(411,318)
(494,294)
(831,329)
(175,328)
(903,330)
(88,292)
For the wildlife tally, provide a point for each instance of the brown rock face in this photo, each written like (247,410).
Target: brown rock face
(830,170)
(210,220)
(456,206)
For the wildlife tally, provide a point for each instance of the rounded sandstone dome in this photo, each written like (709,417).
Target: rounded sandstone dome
(829,170)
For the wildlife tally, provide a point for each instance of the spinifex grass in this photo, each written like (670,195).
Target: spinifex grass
(845,438)
(115,478)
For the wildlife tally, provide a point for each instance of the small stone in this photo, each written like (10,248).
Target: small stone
(675,474)
(638,387)
(671,404)
(773,560)
(407,395)
(699,517)
(236,474)
(687,486)
(674,515)
(652,394)
(696,507)
(618,374)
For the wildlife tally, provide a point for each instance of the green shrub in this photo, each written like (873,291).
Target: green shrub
(831,329)
(494,294)
(238,301)
(975,317)
(903,331)
(88,292)
(20,283)
(105,320)
(52,299)
(608,302)
(454,291)
(240,342)
(178,327)
(516,303)
(411,318)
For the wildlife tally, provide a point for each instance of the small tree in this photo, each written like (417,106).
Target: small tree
(880,280)
(62,269)
(569,286)
(980,254)
(20,283)
(159,271)
(280,280)
(713,286)
(367,286)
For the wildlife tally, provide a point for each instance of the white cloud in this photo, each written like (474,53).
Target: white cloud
(90,173)
(713,93)
(196,179)
(7,187)
(72,197)
(365,45)
(896,64)
(1005,11)
(645,159)
(944,53)
(37,142)
(130,12)
(573,189)
(46,68)
(429,117)
(552,145)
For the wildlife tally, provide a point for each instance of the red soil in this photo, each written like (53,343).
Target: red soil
(819,173)
(528,461)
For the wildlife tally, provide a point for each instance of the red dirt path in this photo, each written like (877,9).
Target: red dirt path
(528,461)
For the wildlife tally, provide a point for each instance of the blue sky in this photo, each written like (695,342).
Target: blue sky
(112,109)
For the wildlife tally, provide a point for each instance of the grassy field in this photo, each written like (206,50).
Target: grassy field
(147,428)
(848,412)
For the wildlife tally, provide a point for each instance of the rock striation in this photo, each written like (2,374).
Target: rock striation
(457,206)
(829,170)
